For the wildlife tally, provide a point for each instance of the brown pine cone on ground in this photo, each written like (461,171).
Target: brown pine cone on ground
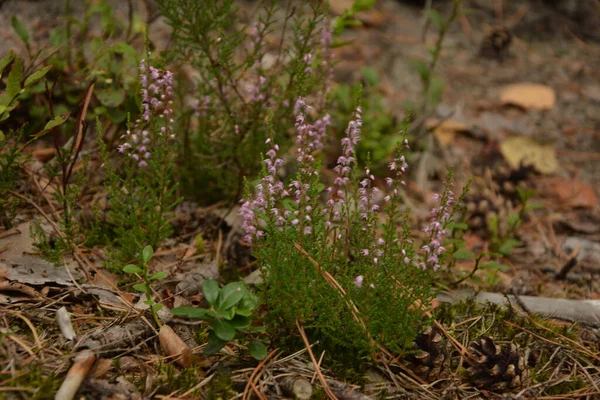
(431,359)
(498,368)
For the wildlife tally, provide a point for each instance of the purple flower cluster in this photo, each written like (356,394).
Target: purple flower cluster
(344,164)
(157,93)
(268,191)
(440,216)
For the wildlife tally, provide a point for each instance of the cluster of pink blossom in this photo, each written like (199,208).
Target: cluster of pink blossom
(344,164)
(440,216)
(157,93)
(268,191)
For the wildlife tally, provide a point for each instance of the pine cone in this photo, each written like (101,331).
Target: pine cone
(498,368)
(431,359)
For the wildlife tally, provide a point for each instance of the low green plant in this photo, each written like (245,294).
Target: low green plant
(143,272)
(381,127)
(354,277)
(432,85)
(503,239)
(229,315)
(142,190)
(240,77)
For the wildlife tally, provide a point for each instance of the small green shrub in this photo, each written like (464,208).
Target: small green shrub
(350,274)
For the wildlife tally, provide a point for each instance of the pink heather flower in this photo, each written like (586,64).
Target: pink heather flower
(358,281)
(307,230)
(365,252)
(440,216)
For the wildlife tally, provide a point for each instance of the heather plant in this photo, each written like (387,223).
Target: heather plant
(240,76)
(347,267)
(142,192)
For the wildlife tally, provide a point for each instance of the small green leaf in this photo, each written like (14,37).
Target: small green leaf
(13,83)
(421,68)
(56,121)
(243,311)
(494,265)
(435,17)
(362,5)
(507,246)
(4,61)
(223,330)
(147,254)
(464,254)
(158,275)
(140,287)
(20,29)
(1,133)
(214,344)
(36,76)
(157,307)
(258,350)
(211,291)
(533,206)
(370,75)
(131,269)
(240,322)
(459,225)
(230,295)
(227,314)
(191,313)
(513,220)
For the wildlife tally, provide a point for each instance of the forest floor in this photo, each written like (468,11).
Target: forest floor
(544,137)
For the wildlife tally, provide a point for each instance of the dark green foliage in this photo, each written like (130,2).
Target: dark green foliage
(237,84)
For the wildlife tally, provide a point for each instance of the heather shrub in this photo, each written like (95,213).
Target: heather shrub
(340,259)
(142,189)
(239,76)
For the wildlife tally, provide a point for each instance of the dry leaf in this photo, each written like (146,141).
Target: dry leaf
(172,345)
(529,95)
(575,194)
(446,130)
(519,150)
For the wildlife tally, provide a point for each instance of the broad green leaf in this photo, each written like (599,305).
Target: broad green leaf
(223,330)
(111,97)
(36,76)
(1,134)
(258,350)
(243,311)
(230,295)
(158,275)
(147,254)
(131,269)
(214,344)
(20,29)
(240,322)
(211,290)
(140,287)
(227,314)
(4,61)
(464,254)
(56,121)
(2,109)
(191,313)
